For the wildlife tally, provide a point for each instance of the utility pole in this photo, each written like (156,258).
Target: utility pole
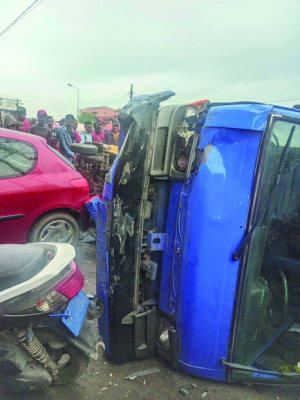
(69,84)
(131,91)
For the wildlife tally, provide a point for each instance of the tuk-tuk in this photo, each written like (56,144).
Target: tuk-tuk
(198,239)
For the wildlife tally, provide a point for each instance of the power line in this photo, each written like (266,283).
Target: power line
(118,99)
(30,10)
(280,101)
(22,15)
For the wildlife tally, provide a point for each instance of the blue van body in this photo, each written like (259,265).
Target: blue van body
(206,217)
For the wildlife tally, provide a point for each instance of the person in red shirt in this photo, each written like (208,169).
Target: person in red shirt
(77,136)
(22,118)
(98,134)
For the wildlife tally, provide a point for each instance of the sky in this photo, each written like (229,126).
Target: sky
(219,50)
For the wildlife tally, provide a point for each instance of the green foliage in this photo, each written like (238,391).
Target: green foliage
(86,117)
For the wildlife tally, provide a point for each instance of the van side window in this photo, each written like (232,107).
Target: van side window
(183,148)
(17,158)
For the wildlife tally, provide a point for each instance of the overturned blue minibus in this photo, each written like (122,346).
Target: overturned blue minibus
(198,239)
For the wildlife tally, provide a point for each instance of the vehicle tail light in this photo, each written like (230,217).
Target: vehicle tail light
(48,299)
(72,284)
(51,302)
(80,183)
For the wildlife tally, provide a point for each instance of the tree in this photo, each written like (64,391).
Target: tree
(86,117)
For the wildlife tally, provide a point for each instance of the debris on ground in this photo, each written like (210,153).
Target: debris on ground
(183,390)
(204,394)
(192,386)
(143,373)
(104,388)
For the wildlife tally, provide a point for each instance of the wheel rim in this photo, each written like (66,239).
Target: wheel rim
(58,231)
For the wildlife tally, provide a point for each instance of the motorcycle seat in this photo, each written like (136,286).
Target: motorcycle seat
(18,263)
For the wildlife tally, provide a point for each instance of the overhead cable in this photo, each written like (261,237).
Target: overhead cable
(21,16)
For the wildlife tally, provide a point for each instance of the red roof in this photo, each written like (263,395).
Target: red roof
(101,112)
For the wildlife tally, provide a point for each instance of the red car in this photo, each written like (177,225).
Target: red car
(42,196)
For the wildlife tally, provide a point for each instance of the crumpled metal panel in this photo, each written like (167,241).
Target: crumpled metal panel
(239,116)
(118,251)
(137,107)
(123,224)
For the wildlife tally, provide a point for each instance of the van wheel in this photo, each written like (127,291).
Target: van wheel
(55,227)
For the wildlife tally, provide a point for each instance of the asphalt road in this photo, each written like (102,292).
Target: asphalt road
(105,380)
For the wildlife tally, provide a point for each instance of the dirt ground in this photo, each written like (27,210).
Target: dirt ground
(105,380)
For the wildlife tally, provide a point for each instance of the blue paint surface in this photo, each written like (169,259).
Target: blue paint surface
(215,221)
(239,116)
(102,272)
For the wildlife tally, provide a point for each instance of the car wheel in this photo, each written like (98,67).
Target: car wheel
(87,149)
(55,227)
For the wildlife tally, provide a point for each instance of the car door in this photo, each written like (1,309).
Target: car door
(18,159)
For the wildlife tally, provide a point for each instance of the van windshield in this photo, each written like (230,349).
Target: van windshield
(266,337)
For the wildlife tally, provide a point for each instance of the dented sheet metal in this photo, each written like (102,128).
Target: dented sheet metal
(123,223)
(124,191)
(125,173)
(137,108)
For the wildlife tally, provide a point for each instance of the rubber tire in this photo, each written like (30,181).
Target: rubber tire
(87,149)
(38,226)
(79,364)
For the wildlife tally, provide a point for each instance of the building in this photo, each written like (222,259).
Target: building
(106,113)
(8,105)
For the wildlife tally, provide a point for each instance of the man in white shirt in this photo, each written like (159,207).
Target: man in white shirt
(86,135)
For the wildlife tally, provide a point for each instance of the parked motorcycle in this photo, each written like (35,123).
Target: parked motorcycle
(45,338)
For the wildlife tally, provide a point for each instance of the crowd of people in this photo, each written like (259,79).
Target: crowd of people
(62,137)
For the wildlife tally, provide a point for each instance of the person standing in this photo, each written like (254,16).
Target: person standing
(112,136)
(10,122)
(98,134)
(66,136)
(41,129)
(20,127)
(22,117)
(55,130)
(86,135)
(77,136)
(50,123)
